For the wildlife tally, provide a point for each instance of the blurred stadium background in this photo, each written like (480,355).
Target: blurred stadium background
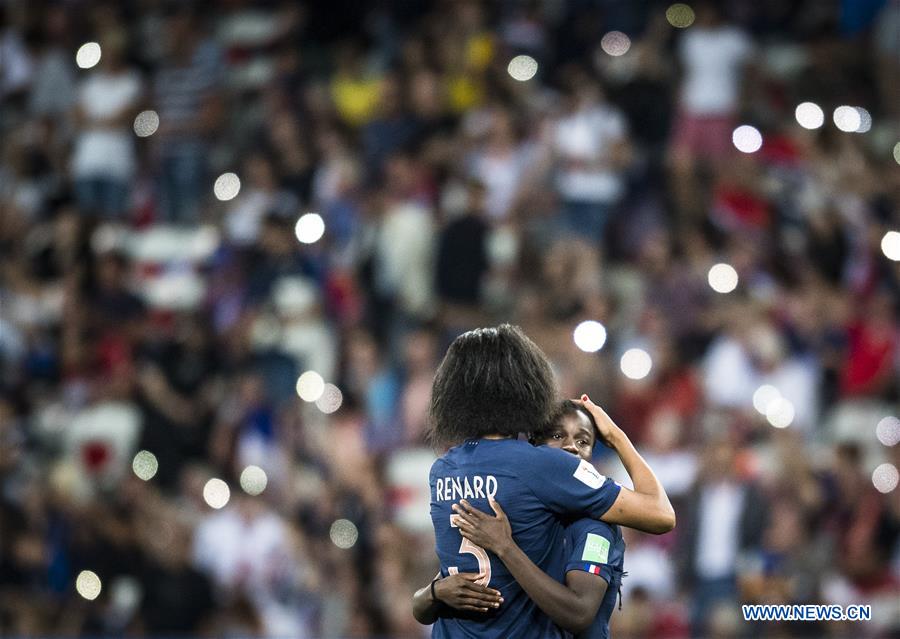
(237,236)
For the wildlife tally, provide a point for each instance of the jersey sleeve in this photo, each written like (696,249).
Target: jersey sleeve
(568,485)
(591,549)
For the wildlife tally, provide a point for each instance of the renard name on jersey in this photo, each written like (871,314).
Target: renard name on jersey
(456,488)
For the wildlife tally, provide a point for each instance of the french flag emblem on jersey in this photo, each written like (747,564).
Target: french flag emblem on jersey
(591,568)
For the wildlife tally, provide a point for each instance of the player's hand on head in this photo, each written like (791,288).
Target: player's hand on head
(606,427)
(462,592)
(490,532)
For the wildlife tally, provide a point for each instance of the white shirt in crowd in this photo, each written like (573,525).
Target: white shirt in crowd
(405,251)
(253,554)
(649,567)
(583,141)
(103,151)
(712,60)
(235,550)
(501,175)
(718,531)
(730,380)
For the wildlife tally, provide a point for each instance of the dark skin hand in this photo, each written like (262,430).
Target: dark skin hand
(491,533)
(457,591)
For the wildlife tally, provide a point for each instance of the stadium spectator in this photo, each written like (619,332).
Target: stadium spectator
(103,160)
(187,90)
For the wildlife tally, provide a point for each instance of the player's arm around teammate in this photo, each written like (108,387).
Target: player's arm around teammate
(456,591)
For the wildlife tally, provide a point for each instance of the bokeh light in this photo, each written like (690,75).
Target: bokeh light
(216,493)
(885,478)
(253,480)
(522,68)
(590,336)
(88,584)
(343,533)
(897,153)
(680,15)
(847,119)
(865,120)
(146,123)
(331,400)
(763,396)
(780,412)
(615,43)
(145,465)
(88,55)
(722,278)
(747,139)
(888,431)
(310,228)
(310,386)
(809,115)
(227,186)
(890,245)
(636,363)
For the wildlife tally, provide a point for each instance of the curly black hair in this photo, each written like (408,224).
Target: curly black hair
(492,381)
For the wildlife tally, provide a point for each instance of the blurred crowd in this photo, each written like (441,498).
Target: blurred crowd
(157,293)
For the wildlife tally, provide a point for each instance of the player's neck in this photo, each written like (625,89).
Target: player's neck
(497,436)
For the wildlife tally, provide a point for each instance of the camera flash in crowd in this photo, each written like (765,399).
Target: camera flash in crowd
(88,584)
(88,55)
(310,386)
(330,400)
(310,228)
(846,118)
(747,139)
(227,186)
(809,115)
(865,120)
(722,278)
(763,396)
(888,431)
(636,363)
(590,336)
(522,68)
(885,478)
(146,123)
(216,493)
(780,412)
(680,15)
(615,43)
(890,245)
(253,480)
(145,465)
(344,533)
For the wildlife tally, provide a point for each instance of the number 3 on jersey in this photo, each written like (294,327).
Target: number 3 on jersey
(484,562)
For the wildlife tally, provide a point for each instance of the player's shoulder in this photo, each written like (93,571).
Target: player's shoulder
(515,456)
(440,465)
(537,463)
(547,455)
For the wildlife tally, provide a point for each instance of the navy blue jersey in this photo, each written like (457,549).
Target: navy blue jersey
(598,548)
(537,487)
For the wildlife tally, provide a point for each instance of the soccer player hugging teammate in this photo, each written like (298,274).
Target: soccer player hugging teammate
(493,384)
